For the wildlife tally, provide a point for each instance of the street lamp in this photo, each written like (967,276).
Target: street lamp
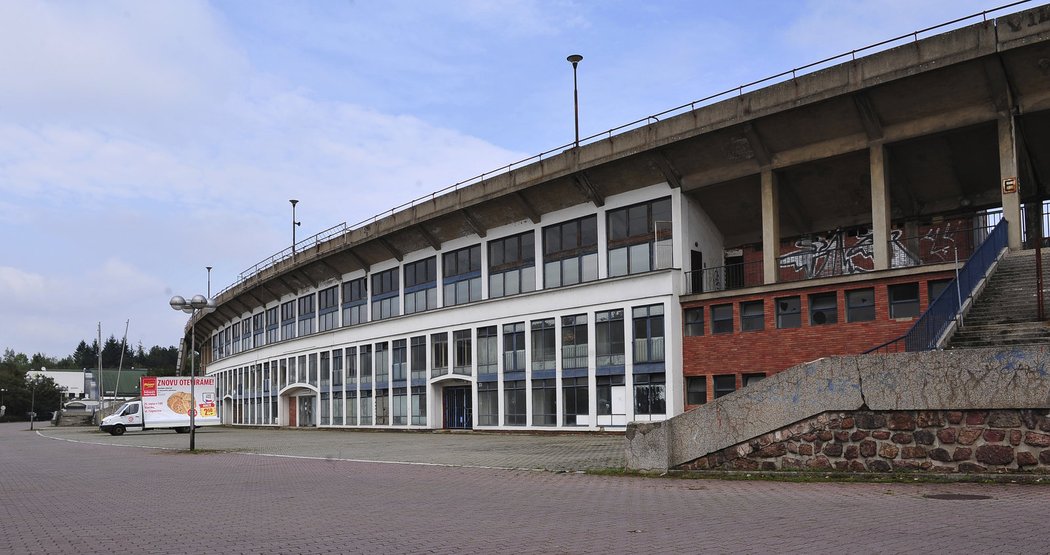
(294,224)
(575,59)
(197,304)
(32,400)
(209,281)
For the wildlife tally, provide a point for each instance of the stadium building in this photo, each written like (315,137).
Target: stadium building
(662,264)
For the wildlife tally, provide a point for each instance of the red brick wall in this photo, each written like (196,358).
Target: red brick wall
(771,350)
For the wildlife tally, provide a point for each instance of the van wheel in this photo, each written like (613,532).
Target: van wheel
(182,430)
(117,430)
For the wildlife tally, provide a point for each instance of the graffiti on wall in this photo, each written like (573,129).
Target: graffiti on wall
(840,253)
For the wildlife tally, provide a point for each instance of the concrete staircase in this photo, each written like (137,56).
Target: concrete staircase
(1005,314)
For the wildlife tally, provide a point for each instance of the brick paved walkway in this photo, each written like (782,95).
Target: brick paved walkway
(78,497)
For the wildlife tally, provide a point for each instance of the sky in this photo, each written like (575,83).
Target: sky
(141,142)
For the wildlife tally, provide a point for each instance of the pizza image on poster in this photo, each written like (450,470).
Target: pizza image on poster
(168,401)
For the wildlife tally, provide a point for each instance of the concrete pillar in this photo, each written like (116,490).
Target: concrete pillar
(770,226)
(1008,169)
(880,207)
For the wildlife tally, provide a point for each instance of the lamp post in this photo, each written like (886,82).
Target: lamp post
(197,304)
(3,407)
(575,59)
(294,224)
(209,280)
(32,400)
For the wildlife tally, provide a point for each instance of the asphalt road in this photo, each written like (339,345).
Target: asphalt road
(309,491)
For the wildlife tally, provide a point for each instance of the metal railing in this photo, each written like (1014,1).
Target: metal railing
(724,278)
(927,332)
(739,90)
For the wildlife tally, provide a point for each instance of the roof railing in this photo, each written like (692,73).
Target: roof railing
(688,107)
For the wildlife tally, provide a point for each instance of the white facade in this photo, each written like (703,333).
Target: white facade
(521,378)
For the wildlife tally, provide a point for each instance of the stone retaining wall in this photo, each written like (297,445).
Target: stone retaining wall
(950,441)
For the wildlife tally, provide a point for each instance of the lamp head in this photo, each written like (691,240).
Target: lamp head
(574,59)
(177,302)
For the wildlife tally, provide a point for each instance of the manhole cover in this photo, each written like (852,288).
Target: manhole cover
(957,496)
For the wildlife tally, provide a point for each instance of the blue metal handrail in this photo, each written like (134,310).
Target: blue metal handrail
(926,332)
(636,124)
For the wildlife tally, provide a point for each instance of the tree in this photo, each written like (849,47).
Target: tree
(85,356)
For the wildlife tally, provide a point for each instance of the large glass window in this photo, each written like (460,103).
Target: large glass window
(235,346)
(860,305)
(351,368)
(752,316)
(512,265)
(610,397)
(696,390)
(570,252)
(488,351)
(462,275)
(421,285)
(385,293)
(326,369)
(366,407)
(365,370)
(438,354)
(609,337)
(288,320)
(337,368)
(514,347)
(328,309)
(514,403)
(258,327)
(904,300)
(544,402)
(789,312)
(633,237)
(355,302)
(399,367)
(382,407)
(544,354)
(575,399)
(488,404)
(351,408)
(462,362)
(399,406)
(574,341)
(649,394)
(307,314)
(419,357)
(273,325)
(419,405)
(382,362)
(823,309)
(648,334)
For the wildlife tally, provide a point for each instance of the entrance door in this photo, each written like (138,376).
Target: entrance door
(696,276)
(306,411)
(292,410)
(458,413)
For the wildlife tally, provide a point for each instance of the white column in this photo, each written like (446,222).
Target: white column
(1008,169)
(880,207)
(770,226)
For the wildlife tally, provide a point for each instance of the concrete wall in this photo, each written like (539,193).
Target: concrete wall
(972,379)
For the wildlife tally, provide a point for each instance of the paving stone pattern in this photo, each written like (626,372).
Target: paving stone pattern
(86,493)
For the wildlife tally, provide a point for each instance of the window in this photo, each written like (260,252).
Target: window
(419,358)
(904,300)
(935,287)
(608,332)
(789,312)
(514,347)
(400,363)
(419,405)
(326,368)
(633,238)
(326,409)
(610,397)
(575,398)
(488,404)
(273,326)
(649,394)
(860,305)
(366,407)
(351,408)
(752,316)
(696,390)
(382,362)
(514,403)
(722,318)
(337,368)
(823,309)
(235,347)
(544,354)
(724,385)
(365,369)
(751,379)
(462,362)
(355,302)
(385,291)
(382,407)
(648,333)
(258,327)
(399,408)
(351,368)
(307,314)
(512,265)
(421,285)
(574,341)
(545,402)
(462,275)
(328,309)
(313,368)
(570,252)
(337,409)
(438,354)
(488,351)
(288,320)
(694,322)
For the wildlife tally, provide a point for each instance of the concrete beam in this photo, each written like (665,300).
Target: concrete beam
(880,207)
(357,258)
(661,163)
(332,272)
(589,190)
(397,254)
(428,237)
(762,153)
(869,118)
(529,209)
(770,227)
(473,223)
